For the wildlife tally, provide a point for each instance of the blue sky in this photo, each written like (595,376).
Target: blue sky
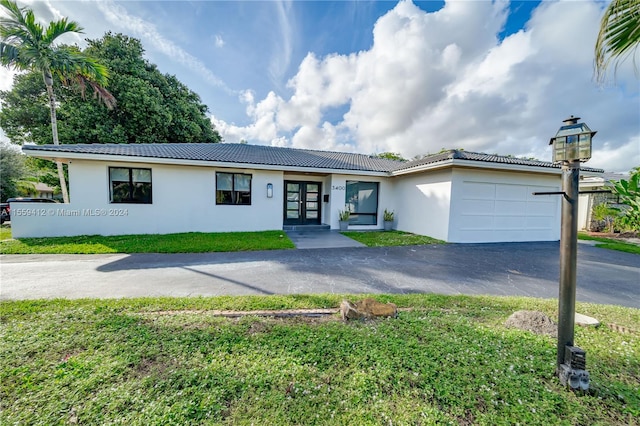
(374,76)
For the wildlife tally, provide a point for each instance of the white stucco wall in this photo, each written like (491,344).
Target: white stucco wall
(337,194)
(584,207)
(183,201)
(422,203)
(498,206)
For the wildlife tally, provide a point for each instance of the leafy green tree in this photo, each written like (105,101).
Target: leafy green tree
(26,45)
(390,156)
(619,34)
(629,193)
(12,170)
(152,107)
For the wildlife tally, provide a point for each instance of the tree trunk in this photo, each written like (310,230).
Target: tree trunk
(48,81)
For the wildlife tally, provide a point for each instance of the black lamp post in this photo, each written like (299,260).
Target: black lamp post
(571,146)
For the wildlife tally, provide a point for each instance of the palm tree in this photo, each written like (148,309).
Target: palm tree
(26,45)
(619,34)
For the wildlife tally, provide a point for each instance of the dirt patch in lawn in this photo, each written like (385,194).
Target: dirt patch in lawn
(533,321)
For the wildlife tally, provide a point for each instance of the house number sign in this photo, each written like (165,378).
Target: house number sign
(338,187)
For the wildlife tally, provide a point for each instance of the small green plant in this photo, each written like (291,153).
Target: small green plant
(344,215)
(604,213)
(388,215)
(629,192)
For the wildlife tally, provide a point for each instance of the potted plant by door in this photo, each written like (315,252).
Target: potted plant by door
(343,216)
(387,217)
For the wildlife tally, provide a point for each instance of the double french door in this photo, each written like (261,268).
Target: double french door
(302,203)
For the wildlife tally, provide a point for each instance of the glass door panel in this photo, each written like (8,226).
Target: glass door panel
(302,203)
(292,207)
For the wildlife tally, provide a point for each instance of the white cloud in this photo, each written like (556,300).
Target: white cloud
(118,16)
(219,41)
(282,57)
(6,77)
(443,79)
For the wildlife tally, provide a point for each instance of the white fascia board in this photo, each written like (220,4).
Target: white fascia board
(479,165)
(69,156)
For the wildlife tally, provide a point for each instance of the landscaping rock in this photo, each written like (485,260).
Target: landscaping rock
(586,321)
(367,309)
(533,321)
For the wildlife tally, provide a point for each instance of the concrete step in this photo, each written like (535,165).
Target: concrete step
(298,228)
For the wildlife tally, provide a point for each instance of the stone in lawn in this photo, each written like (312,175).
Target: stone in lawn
(367,309)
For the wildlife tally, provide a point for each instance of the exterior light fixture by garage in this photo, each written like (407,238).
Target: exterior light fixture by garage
(269,190)
(571,146)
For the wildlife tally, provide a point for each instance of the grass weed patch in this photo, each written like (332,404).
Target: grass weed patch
(169,361)
(611,244)
(191,242)
(390,238)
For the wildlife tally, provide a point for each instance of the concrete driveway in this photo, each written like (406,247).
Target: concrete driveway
(518,269)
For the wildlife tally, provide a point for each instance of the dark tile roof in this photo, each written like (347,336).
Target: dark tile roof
(456,154)
(277,156)
(232,153)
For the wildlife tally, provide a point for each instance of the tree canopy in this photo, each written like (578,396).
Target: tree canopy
(26,45)
(11,171)
(151,107)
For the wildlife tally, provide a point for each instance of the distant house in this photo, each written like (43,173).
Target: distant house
(587,201)
(456,196)
(43,190)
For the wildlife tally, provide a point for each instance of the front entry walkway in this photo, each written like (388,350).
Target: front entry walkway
(314,239)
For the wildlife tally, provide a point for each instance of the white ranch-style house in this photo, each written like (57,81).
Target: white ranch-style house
(456,196)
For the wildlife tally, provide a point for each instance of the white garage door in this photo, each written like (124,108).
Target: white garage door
(501,212)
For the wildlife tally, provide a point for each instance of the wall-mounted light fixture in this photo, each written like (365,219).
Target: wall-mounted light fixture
(269,190)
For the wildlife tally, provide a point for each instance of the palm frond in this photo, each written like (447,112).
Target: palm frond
(9,55)
(58,28)
(16,14)
(67,61)
(619,35)
(103,95)
(20,27)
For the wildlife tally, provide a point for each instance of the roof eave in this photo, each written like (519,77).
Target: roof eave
(67,157)
(478,165)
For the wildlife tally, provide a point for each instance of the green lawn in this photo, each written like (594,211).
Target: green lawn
(390,238)
(169,361)
(192,242)
(611,244)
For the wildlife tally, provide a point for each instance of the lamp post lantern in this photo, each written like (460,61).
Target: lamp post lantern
(571,146)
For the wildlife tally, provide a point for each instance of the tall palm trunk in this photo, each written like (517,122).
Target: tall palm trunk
(48,82)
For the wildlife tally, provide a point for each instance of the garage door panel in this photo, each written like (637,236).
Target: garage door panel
(497,211)
(511,208)
(541,209)
(511,192)
(541,198)
(539,222)
(482,207)
(509,222)
(469,222)
(479,190)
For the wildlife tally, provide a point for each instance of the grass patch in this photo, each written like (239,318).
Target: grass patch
(449,361)
(191,242)
(611,243)
(5,232)
(390,238)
